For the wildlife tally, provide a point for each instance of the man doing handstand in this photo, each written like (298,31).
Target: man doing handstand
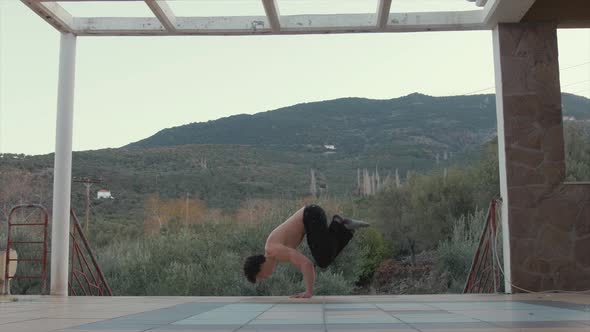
(325,242)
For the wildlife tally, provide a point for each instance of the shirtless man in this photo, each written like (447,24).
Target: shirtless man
(325,242)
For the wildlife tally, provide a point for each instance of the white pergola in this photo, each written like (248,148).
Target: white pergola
(486,15)
(164,22)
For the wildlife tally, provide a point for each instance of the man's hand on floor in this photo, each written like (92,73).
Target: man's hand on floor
(304,295)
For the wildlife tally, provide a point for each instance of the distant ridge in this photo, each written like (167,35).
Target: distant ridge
(357,124)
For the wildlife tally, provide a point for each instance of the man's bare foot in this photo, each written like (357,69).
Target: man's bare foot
(350,224)
(304,295)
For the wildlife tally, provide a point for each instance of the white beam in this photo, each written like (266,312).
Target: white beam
(383,9)
(409,22)
(331,23)
(116,26)
(163,13)
(296,24)
(53,13)
(62,169)
(435,21)
(505,11)
(272,13)
(226,25)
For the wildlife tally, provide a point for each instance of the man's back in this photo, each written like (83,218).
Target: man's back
(289,234)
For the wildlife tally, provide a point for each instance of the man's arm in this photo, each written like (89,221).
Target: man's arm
(303,263)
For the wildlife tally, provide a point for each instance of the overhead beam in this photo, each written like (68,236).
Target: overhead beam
(435,21)
(295,24)
(272,13)
(383,9)
(119,26)
(505,11)
(163,13)
(142,26)
(225,25)
(53,13)
(331,23)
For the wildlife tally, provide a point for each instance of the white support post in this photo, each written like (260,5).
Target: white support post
(62,174)
(502,160)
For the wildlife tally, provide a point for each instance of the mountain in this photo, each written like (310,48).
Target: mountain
(358,125)
(352,125)
(270,154)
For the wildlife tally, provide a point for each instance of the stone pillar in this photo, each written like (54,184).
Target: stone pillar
(548,220)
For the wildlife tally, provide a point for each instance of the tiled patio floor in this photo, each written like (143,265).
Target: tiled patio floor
(549,312)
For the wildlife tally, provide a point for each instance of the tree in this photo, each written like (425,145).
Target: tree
(577,151)
(15,188)
(419,215)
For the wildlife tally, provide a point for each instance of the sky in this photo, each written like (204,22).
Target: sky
(128,88)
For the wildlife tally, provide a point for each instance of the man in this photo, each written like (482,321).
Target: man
(325,243)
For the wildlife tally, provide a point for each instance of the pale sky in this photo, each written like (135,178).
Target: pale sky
(128,88)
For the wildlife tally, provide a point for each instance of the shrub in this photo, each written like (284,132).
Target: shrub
(455,255)
(377,250)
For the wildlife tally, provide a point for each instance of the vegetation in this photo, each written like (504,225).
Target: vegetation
(183,247)
(577,153)
(184,217)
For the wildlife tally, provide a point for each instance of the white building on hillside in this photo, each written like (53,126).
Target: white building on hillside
(103,193)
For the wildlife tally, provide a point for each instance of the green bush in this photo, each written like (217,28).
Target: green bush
(377,250)
(455,255)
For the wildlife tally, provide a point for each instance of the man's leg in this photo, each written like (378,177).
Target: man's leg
(324,242)
(318,238)
(341,236)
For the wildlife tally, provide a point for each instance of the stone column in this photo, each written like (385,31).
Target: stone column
(547,220)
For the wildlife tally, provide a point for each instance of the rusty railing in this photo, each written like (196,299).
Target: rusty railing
(86,277)
(43,221)
(484,276)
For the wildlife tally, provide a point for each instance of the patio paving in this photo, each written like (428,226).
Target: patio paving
(547,312)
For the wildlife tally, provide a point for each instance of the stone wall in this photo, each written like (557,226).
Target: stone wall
(549,221)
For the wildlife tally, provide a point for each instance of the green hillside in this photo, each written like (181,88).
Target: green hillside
(353,125)
(270,154)
(357,125)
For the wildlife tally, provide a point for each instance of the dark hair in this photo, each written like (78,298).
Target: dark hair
(252,267)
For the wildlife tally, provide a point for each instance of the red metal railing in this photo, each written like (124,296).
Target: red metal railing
(484,276)
(43,222)
(86,278)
